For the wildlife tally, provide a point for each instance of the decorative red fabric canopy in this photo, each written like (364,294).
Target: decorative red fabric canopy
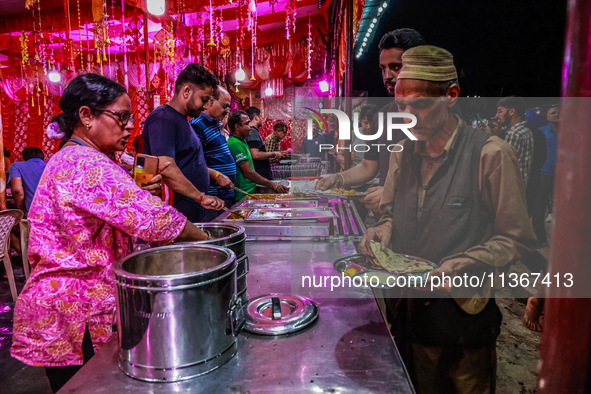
(281,40)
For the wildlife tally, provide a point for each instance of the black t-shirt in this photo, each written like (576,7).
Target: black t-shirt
(380,153)
(262,167)
(168,133)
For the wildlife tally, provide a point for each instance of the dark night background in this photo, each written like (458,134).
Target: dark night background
(500,47)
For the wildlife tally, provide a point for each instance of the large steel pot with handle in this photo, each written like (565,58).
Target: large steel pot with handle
(178,311)
(233,237)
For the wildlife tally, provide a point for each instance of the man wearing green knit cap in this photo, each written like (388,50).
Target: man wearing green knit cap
(454,196)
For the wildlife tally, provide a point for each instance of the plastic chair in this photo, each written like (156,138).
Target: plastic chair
(25,229)
(8,219)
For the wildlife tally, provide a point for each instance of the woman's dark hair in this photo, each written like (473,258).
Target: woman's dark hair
(91,90)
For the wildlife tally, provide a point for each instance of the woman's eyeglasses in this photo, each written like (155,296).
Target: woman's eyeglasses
(121,116)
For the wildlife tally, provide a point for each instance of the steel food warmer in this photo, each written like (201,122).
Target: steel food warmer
(344,346)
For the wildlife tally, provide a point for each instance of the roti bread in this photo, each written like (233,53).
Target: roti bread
(396,263)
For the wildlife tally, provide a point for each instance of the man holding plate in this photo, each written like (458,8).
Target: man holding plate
(455,197)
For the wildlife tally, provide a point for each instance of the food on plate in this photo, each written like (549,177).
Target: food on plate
(238,214)
(342,192)
(350,272)
(397,263)
(265,196)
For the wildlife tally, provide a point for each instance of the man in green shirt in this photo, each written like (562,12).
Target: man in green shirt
(246,176)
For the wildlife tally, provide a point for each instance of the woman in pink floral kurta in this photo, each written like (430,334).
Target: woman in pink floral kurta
(84,211)
(84,208)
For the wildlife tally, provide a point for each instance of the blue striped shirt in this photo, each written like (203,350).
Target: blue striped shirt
(217,154)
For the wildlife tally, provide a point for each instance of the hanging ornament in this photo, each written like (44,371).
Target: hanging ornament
(225,50)
(309,48)
(24,53)
(290,18)
(273,3)
(211,42)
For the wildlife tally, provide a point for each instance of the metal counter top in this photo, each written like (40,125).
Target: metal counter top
(348,349)
(344,222)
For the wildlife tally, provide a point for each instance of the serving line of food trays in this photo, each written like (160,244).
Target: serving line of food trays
(288,217)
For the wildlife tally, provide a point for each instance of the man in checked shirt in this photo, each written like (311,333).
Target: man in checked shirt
(273,140)
(511,112)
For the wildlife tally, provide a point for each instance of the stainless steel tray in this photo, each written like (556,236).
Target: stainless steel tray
(272,204)
(284,197)
(290,214)
(332,193)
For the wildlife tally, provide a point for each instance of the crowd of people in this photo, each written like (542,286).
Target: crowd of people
(87,208)
(461,197)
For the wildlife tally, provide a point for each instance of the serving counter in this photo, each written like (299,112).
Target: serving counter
(348,349)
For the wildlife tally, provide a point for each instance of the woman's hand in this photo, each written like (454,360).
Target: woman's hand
(211,202)
(191,233)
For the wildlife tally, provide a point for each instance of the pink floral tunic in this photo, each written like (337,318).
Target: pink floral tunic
(84,211)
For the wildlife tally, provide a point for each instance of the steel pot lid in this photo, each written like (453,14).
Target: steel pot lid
(278,314)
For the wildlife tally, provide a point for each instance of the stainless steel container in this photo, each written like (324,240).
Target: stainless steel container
(232,237)
(178,311)
(228,235)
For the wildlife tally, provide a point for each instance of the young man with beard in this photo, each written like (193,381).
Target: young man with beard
(391,46)
(455,197)
(511,112)
(167,132)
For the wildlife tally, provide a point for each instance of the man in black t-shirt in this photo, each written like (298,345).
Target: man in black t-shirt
(259,153)
(391,46)
(167,132)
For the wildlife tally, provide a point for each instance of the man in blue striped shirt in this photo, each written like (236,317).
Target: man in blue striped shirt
(217,155)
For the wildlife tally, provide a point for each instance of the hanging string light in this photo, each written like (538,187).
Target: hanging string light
(41,49)
(87,39)
(37,46)
(240,74)
(253,29)
(124,46)
(309,48)
(69,41)
(106,39)
(24,56)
